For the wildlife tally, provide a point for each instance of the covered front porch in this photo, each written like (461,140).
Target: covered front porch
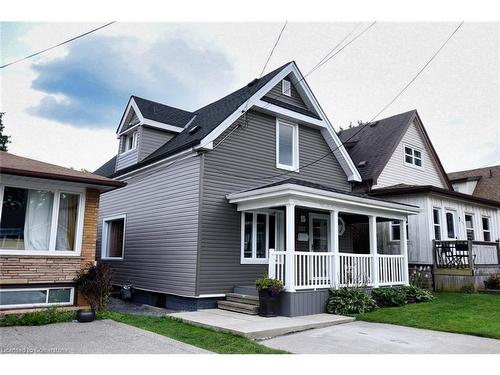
(314,238)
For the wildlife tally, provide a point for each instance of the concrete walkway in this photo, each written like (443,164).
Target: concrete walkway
(98,337)
(257,327)
(375,338)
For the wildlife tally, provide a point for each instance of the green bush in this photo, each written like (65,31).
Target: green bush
(389,297)
(417,295)
(349,301)
(95,284)
(38,318)
(273,286)
(493,281)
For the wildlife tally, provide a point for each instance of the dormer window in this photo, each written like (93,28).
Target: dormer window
(129,141)
(286,87)
(413,156)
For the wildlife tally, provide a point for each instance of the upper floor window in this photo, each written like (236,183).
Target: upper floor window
(436,218)
(486,228)
(469,226)
(130,141)
(413,156)
(39,221)
(287,145)
(286,87)
(113,237)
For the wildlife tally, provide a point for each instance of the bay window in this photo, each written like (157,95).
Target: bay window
(40,221)
(258,235)
(436,217)
(486,228)
(451,225)
(469,226)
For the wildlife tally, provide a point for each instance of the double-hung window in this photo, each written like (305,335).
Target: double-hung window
(287,145)
(486,228)
(436,218)
(413,156)
(40,221)
(469,226)
(258,234)
(396,231)
(113,237)
(451,225)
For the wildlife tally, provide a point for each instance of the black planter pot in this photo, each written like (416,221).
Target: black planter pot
(85,316)
(268,304)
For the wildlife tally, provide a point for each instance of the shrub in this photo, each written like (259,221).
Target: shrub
(95,285)
(493,281)
(273,286)
(417,295)
(38,318)
(419,276)
(349,301)
(389,297)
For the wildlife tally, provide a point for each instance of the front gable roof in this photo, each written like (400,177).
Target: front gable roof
(372,145)
(213,119)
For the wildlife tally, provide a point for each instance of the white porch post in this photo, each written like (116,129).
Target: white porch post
(372,221)
(404,249)
(290,248)
(334,243)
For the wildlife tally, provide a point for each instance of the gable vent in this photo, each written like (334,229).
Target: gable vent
(362,164)
(253,82)
(194,129)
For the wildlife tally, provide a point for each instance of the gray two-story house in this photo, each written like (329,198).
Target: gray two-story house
(256,182)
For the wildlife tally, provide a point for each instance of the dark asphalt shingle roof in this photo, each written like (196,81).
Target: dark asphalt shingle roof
(162,113)
(375,142)
(488,184)
(107,169)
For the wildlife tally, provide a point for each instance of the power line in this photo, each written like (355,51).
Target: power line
(57,45)
(272,51)
(361,128)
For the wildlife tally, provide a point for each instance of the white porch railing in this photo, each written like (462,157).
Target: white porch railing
(316,270)
(391,269)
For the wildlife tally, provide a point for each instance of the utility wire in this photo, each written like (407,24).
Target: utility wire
(272,51)
(57,45)
(361,128)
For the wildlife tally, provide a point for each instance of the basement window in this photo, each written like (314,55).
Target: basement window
(36,297)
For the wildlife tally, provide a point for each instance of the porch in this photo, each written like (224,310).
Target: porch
(313,238)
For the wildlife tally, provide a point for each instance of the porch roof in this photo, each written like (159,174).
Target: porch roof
(315,195)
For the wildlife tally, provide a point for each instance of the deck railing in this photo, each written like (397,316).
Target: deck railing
(317,270)
(465,254)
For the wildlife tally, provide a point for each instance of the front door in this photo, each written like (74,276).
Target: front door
(319,228)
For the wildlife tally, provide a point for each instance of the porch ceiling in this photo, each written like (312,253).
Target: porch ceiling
(306,194)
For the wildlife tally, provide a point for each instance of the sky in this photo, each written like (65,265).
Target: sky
(63,106)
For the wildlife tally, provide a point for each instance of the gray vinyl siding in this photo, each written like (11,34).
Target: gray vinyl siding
(126,159)
(161,234)
(151,139)
(294,99)
(248,152)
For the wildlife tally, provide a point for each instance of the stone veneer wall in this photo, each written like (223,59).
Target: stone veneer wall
(29,270)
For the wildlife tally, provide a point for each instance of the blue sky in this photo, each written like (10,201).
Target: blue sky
(68,101)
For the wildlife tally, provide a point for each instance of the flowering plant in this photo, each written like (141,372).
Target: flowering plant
(273,286)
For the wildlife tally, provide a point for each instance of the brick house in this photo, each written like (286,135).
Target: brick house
(48,223)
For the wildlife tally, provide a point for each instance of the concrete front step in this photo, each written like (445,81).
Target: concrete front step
(238,307)
(242,298)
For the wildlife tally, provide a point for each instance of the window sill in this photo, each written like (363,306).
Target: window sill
(254,261)
(39,254)
(128,151)
(108,258)
(416,167)
(288,167)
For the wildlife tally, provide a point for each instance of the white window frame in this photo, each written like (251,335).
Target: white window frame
(134,136)
(455,223)
(51,251)
(397,223)
(295,144)
(70,303)
(287,91)
(277,241)
(439,224)
(104,240)
(413,149)
(473,228)
(487,230)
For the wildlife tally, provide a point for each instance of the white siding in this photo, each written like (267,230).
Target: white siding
(397,172)
(466,187)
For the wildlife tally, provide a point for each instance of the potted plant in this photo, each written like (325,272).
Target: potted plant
(269,290)
(94,283)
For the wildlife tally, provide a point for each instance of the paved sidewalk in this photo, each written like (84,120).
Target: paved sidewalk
(257,327)
(376,338)
(98,337)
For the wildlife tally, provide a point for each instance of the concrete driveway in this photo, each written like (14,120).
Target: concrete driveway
(98,337)
(372,338)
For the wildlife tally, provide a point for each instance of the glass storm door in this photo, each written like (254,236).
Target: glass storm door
(318,232)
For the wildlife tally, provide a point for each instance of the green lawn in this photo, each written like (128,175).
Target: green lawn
(208,339)
(472,314)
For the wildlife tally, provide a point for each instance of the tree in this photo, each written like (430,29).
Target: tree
(4,139)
